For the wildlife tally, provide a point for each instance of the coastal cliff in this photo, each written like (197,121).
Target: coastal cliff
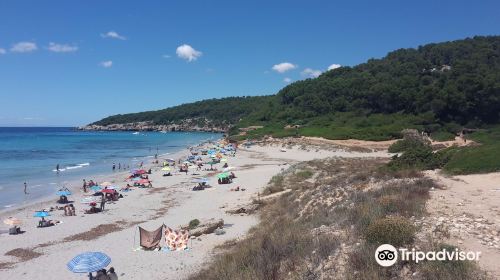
(186,125)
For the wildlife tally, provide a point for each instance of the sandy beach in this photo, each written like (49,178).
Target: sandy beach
(171,202)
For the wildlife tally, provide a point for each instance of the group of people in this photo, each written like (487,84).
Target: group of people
(120,166)
(69,210)
(87,185)
(104,274)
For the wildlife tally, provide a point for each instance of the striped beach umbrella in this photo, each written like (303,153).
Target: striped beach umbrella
(88,262)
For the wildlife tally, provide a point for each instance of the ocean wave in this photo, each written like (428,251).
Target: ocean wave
(9,205)
(76,166)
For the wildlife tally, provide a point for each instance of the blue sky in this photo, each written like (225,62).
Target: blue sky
(74,62)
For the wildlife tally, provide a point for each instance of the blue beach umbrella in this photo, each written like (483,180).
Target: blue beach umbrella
(88,262)
(65,193)
(95,188)
(41,214)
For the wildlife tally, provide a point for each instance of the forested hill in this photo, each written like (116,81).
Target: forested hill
(436,87)
(224,110)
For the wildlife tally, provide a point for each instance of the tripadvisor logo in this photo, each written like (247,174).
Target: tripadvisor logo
(387,255)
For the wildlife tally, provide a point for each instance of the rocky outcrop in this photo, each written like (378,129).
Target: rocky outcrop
(186,125)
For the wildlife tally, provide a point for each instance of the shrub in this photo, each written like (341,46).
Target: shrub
(396,231)
(404,145)
(304,174)
(194,223)
(419,156)
(275,185)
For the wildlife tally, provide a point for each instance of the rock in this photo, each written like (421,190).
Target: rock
(205,227)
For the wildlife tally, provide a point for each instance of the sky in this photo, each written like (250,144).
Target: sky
(69,63)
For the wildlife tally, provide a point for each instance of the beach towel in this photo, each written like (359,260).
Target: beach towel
(176,240)
(150,239)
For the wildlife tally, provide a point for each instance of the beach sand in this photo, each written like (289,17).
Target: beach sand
(44,252)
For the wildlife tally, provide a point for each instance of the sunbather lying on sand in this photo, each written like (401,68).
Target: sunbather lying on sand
(92,210)
(47,223)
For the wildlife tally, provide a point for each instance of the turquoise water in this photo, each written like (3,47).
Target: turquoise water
(31,154)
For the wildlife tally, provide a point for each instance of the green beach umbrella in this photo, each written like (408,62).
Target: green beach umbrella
(222,175)
(165,169)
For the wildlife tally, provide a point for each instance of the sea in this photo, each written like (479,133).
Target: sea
(31,154)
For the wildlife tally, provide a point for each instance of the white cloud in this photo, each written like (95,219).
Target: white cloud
(187,52)
(3,51)
(334,66)
(311,73)
(106,64)
(287,80)
(283,67)
(61,48)
(24,47)
(113,35)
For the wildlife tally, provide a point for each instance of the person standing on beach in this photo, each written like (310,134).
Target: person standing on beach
(84,186)
(103,202)
(114,166)
(119,166)
(25,188)
(57,168)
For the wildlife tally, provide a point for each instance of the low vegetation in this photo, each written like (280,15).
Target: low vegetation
(194,223)
(329,228)
(480,158)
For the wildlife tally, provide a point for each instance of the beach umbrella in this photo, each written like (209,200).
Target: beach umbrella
(41,214)
(11,221)
(108,191)
(136,179)
(88,262)
(65,193)
(106,184)
(171,159)
(212,162)
(95,188)
(143,181)
(165,169)
(222,175)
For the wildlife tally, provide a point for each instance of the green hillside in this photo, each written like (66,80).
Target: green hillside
(224,110)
